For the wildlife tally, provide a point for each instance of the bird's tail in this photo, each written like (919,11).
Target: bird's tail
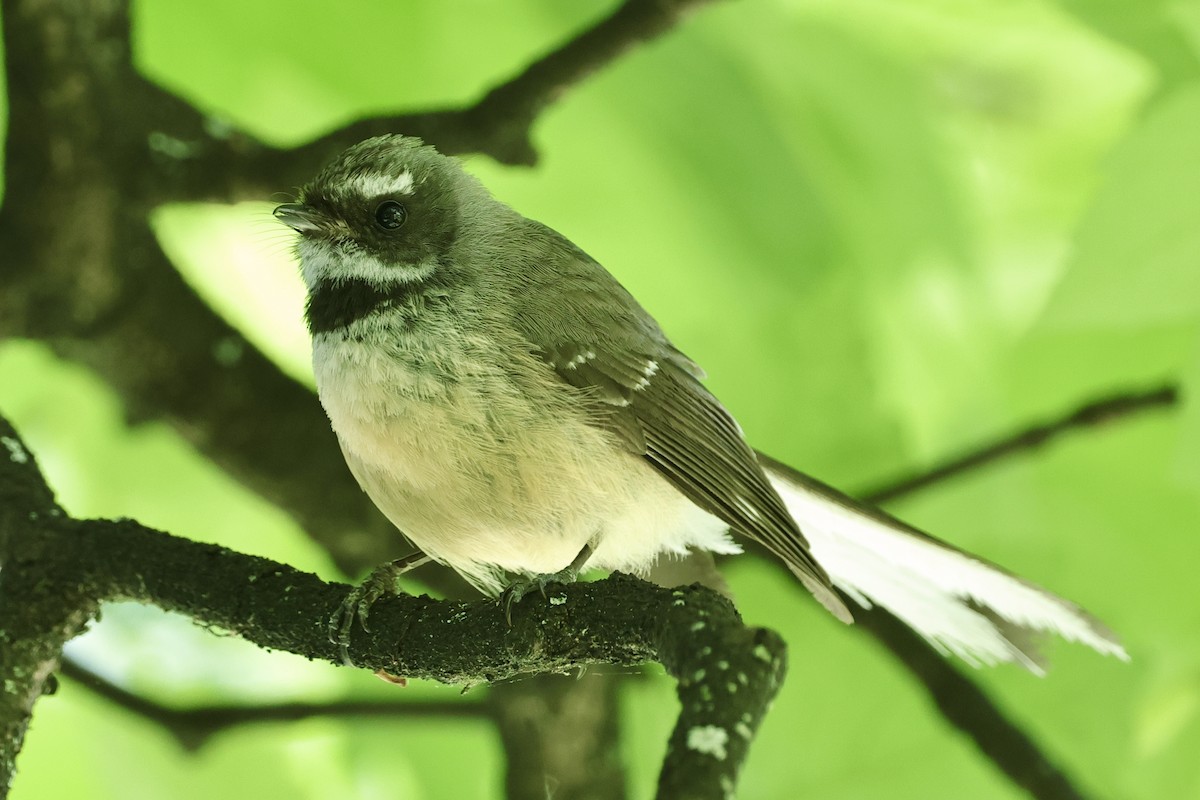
(959,603)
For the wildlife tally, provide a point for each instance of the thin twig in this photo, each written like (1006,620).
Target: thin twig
(966,706)
(962,702)
(193,727)
(1091,414)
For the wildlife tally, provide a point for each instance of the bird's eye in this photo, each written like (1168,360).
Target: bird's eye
(390,215)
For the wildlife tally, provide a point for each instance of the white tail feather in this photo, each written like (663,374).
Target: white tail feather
(938,591)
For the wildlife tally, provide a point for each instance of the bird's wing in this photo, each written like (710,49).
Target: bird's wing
(650,395)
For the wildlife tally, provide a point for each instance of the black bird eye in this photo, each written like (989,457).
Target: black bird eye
(390,215)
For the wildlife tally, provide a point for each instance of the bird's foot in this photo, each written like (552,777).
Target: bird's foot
(523,586)
(358,602)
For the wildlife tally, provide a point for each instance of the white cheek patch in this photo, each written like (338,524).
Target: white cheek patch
(322,261)
(373,184)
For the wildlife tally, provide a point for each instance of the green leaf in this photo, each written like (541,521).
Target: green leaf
(1137,253)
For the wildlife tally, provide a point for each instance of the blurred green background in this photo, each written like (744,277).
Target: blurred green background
(890,230)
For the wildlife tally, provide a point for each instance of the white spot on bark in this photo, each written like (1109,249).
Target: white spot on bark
(708,739)
(170,147)
(16,453)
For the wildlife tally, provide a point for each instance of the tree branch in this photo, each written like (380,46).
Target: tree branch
(963,703)
(58,569)
(193,727)
(1091,414)
(561,737)
(968,708)
(41,610)
(215,164)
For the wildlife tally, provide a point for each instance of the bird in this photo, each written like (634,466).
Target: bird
(514,411)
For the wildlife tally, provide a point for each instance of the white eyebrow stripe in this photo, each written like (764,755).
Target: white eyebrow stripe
(373,184)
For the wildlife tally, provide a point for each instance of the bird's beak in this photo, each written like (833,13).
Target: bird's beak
(299,217)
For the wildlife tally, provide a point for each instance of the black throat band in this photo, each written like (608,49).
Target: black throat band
(336,305)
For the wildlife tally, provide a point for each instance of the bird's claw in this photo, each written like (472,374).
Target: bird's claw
(357,604)
(524,586)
